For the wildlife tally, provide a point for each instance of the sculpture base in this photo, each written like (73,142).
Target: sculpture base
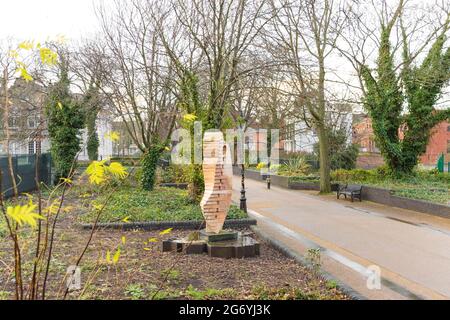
(216,237)
(226,245)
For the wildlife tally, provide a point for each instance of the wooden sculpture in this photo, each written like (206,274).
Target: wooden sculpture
(218,181)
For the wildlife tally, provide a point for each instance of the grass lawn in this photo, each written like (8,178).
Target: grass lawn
(162,204)
(422,187)
(432,191)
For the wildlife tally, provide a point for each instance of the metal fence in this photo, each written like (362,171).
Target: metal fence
(25,172)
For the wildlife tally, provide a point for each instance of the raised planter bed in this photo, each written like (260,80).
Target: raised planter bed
(282,181)
(178,225)
(182,186)
(315,186)
(387,197)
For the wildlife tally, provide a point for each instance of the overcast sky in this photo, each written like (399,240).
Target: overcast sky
(42,19)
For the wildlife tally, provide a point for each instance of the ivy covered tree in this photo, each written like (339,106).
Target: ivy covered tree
(65,120)
(91,108)
(402,104)
(189,102)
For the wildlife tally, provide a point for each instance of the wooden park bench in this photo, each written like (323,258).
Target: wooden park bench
(351,190)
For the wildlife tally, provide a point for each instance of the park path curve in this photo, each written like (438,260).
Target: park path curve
(411,249)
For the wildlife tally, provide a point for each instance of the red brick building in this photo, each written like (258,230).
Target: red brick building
(370,156)
(363,134)
(439,144)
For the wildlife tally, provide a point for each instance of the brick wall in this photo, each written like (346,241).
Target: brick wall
(369,161)
(439,144)
(363,135)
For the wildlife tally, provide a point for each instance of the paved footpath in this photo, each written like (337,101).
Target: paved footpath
(411,249)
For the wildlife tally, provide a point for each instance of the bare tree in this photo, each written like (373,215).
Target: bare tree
(303,35)
(8,66)
(221,36)
(137,79)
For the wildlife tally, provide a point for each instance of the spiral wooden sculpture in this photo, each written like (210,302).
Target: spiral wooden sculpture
(218,175)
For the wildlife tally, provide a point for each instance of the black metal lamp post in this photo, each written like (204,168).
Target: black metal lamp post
(269,172)
(243,203)
(243,206)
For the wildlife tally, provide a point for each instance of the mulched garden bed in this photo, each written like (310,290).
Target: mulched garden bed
(144,272)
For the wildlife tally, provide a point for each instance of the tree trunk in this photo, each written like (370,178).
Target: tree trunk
(324,145)
(149,166)
(325,177)
(8,136)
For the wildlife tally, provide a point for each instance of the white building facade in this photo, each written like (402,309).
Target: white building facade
(105,148)
(301,138)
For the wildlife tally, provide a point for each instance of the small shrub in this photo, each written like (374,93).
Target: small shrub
(288,293)
(135,292)
(331,284)
(261,165)
(314,257)
(171,275)
(297,166)
(434,175)
(356,175)
(209,293)
(155,293)
(5,295)
(172,174)
(383,171)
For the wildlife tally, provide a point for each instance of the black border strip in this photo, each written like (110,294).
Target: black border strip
(160,225)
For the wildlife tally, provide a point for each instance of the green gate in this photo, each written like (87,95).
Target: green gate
(25,172)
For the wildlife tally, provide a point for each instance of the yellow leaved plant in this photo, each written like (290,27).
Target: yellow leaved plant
(99,171)
(48,57)
(113,136)
(24,215)
(96,172)
(190,117)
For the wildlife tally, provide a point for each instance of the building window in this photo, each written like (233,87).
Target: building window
(448,128)
(13,122)
(448,146)
(32,123)
(31,147)
(34,147)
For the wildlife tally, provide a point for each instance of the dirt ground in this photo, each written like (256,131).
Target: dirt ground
(144,272)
